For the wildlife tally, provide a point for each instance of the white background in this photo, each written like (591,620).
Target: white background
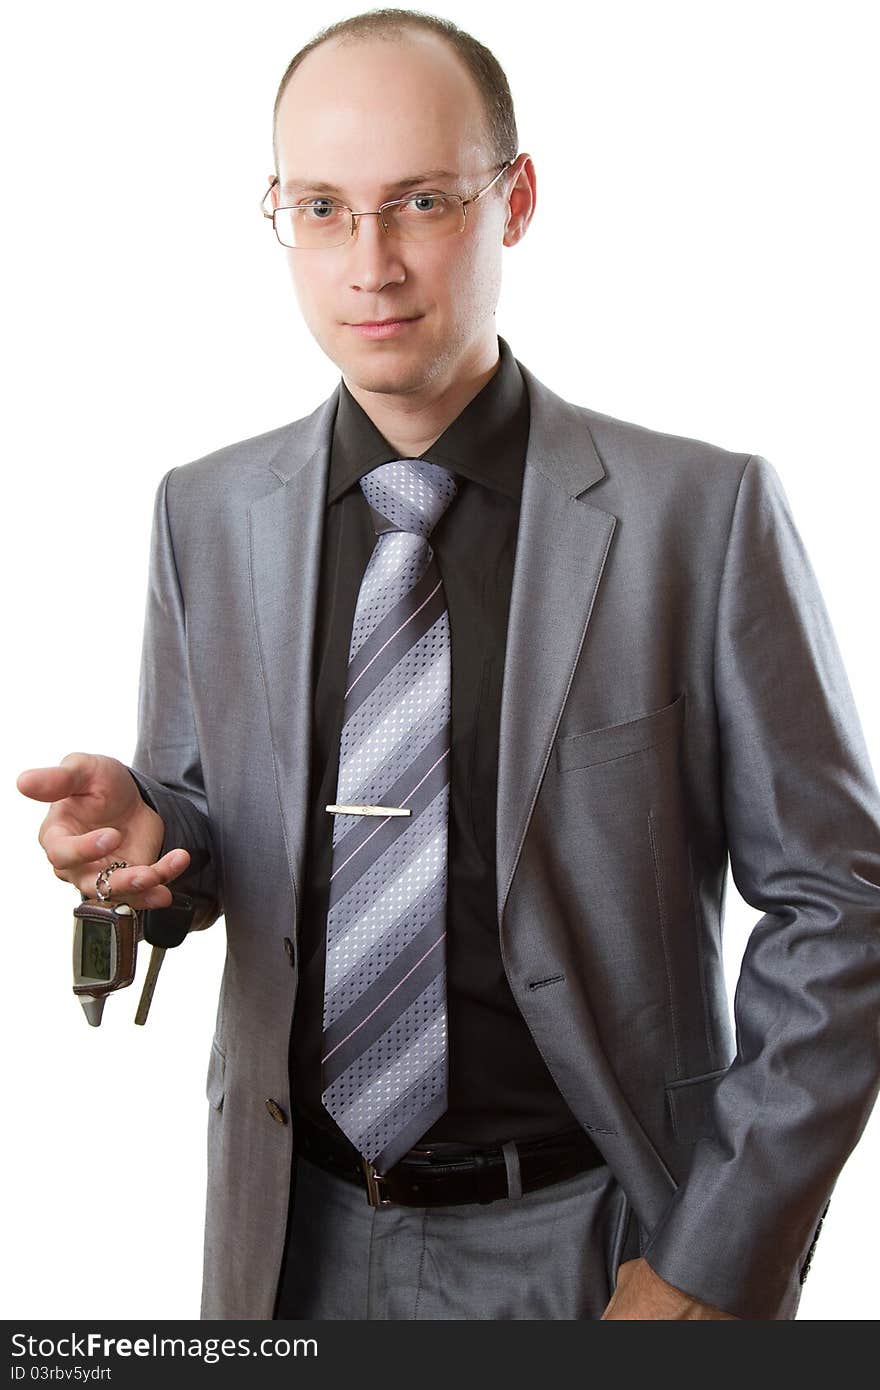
(702,260)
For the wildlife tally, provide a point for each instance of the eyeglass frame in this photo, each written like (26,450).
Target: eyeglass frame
(392,202)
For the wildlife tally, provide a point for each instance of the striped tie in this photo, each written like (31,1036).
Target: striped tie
(384,1065)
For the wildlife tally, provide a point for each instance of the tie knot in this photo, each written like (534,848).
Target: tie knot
(411,494)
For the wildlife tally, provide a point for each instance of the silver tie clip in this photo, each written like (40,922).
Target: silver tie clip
(369,810)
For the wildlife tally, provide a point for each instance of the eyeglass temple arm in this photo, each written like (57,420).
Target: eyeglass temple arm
(272,183)
(477,196)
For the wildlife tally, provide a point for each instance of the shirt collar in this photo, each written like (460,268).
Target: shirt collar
(485,442)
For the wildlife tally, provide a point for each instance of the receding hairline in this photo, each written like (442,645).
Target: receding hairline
(497,120)
(399,35)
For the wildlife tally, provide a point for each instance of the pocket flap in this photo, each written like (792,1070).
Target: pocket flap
(618,740)
(690,1104)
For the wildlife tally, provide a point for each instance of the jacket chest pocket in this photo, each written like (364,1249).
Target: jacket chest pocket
(614,741)
(622,820)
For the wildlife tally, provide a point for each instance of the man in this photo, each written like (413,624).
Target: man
(455,698)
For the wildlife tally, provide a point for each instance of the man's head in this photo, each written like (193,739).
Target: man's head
(369,103)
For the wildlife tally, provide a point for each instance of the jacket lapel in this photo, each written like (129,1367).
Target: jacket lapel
(285,529)
(561,548)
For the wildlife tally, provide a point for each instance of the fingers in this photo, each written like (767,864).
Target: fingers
(65,851)
(79,858)
(140,885)
(52,783)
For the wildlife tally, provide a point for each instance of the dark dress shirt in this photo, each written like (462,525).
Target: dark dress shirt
(499,1085)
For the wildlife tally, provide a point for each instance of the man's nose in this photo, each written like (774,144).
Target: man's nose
(375,255)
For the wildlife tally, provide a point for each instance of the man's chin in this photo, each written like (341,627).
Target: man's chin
(386,377)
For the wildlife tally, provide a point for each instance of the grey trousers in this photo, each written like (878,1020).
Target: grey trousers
(552,1253)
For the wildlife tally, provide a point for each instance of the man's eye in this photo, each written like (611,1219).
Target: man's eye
(421,204)
(319,206)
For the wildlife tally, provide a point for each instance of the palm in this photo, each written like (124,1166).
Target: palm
(106,800)
(90,795)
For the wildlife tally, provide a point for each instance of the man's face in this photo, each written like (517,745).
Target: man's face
(360,117)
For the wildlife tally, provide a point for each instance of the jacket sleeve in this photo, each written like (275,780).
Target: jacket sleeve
(802,814)
(166,765)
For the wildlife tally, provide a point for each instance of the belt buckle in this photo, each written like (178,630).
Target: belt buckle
(374,1196)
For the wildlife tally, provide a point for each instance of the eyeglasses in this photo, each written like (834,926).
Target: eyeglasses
(317,223)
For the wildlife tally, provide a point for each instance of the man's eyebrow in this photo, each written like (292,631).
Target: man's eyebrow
(292,185)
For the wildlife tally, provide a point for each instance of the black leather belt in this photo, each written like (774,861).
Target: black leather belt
(448,1173)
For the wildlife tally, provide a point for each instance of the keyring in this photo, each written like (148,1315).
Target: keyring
(105,873)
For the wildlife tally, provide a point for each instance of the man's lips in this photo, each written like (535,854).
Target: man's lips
(375,323)
(385,328)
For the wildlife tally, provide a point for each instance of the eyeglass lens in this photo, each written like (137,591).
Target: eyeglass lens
(321,222)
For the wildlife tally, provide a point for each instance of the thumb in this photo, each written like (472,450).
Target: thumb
(82,767)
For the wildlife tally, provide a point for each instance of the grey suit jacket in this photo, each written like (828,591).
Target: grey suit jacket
(673,695)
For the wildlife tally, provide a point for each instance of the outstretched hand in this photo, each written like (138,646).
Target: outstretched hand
(98,815)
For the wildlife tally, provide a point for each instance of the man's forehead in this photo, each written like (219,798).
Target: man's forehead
(336,131)
(296,183)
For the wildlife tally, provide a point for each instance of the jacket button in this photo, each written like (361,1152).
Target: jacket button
(275,1111)
(288,946)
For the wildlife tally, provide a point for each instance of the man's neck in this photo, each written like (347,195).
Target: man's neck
(413,422)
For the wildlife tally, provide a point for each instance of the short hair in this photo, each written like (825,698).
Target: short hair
(391,24)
